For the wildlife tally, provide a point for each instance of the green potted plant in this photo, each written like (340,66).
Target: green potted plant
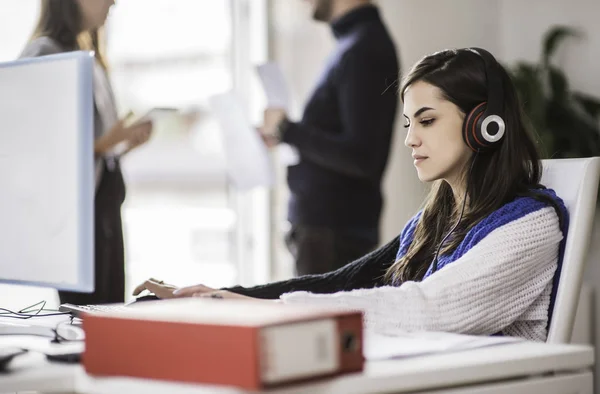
(567,122)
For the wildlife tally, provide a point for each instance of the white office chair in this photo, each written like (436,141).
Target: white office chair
(576,182)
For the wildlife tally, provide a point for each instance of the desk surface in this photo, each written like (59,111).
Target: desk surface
(420,373)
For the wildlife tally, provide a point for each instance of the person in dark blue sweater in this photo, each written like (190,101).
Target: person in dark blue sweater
(343,139)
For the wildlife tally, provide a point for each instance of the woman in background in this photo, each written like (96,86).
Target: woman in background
(72,25)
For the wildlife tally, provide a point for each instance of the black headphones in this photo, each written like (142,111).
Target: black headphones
(484,127)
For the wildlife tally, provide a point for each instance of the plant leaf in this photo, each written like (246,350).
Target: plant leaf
(527,81)
(589,104)
(553,38)
(576,134)
(559,86)
(566,122)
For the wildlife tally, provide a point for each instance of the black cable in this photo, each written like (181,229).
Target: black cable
(25,310)
(24,314)
(16,315)
(43,308)
(462,211)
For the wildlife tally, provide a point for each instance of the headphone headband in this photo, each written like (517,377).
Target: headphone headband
(476,131)
(495,92)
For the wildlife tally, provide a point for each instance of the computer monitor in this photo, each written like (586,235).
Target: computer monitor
(46,172)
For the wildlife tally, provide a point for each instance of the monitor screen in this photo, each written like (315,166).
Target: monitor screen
(46,171)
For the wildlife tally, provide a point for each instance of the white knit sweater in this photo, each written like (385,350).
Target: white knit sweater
(502,284)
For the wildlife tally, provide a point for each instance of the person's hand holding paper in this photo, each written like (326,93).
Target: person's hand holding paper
(135,130)
(270,140)
(140,134)
(130,136)
(278,103)
(272,119)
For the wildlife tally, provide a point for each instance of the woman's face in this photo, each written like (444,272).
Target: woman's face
(434,134)
(94,12)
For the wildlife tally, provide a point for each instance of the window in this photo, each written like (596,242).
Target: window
(183,222)
(17,20)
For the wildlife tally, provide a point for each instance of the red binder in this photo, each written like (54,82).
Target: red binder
(248,344)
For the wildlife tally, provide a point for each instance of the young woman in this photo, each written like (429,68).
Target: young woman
(482,255)
(70,25)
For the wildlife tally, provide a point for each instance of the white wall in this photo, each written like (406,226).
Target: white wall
(17,21)
(580,58)
(421,28)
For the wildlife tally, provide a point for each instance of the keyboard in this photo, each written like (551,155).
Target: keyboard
(80,310)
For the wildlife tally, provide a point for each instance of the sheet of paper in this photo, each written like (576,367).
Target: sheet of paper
(153,114)
(278,96)
(248,162)
(381,347)
(274,85)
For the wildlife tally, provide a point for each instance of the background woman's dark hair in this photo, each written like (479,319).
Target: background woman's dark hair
(62,21)
(510,170)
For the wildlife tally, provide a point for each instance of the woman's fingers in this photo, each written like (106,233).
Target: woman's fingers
(159,288)
(189,291)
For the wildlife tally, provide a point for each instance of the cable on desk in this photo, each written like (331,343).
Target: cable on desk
(24,313)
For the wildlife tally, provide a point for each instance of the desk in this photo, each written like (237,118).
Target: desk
(516,368)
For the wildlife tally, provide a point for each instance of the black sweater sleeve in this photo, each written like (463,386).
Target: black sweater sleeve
(366,272)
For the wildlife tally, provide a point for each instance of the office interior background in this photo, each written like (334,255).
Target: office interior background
(184,222)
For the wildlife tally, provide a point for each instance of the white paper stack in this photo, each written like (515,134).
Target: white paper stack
(248,162)
(381,347)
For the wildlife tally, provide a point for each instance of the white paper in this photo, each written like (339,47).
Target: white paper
(153,115)
(278,96)
(381,347)
(274,85)
(248,162)
(287,155)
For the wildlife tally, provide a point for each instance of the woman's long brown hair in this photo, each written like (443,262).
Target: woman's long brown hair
(62,21)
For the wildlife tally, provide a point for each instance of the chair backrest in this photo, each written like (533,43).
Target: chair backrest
(576,182)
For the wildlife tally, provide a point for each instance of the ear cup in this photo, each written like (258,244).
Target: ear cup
(490,129)
(482,132)
(471,127)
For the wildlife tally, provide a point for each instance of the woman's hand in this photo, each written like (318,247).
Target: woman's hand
(272,117)
(139,134)
(158,287)
(135,135)
(163,290)
(271,120)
